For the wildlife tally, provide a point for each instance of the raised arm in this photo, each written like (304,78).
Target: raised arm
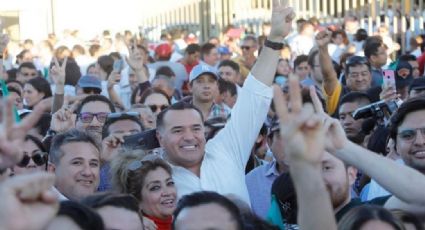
(303,135)
(403,182)
(57,73)
(330,79)
(281,21)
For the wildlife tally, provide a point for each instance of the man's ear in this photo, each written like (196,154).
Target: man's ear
(352,174)
(159,137)
(51,167)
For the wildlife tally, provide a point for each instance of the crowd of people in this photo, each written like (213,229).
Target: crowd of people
(313,127)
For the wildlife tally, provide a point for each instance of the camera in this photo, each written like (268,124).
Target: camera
(145,140)
(378,109)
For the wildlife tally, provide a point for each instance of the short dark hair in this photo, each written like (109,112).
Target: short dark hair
(300,59)
(117,200)
(106,63)
(409,106)
(83,216)
(226,86)
(231,64)
(371,45)
(28,65)
(41,85)
(110,121)
(93,49)
(193,48)
(14,90)
(93,98)
(70,136)
(407,57)
(165,70)
(354,97)
(207,197)
(176,106)
(206,49)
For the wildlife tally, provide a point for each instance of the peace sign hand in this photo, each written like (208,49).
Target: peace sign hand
(301,126)
(58,72)
(281,21)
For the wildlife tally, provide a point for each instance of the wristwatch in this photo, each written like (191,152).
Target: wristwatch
(273,45)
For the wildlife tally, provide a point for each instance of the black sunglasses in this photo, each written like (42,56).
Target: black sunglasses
(245,47)
(356,60)
(155,108)
(40,158)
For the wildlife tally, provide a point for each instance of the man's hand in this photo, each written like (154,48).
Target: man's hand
(323,38)
(27,202)
(63,119)
(12,135)
(57,73)
(113,79)
(300,126)
(111,144)
(281,21)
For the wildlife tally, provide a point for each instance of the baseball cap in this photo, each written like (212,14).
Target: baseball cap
(201,69)
(417,84)
(223,50)
(163,50)
(88,81)
(403,74)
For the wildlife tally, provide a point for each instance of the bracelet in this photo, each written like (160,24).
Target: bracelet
(273,45)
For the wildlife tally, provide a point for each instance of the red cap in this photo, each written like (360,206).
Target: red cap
(163,50)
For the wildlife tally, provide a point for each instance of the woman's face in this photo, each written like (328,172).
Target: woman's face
(158,195)
(31,95)
(31,150)
(283,68)
(157,102)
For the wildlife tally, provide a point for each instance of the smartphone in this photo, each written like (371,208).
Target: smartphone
(145,140)
(389,78)
(118,65)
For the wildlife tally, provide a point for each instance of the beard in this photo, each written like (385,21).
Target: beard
(339,195)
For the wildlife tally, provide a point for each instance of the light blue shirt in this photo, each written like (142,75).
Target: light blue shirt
(259,183)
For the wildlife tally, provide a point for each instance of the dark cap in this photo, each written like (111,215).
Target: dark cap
(403,74)
(417,84)
(284,191)
(88,81)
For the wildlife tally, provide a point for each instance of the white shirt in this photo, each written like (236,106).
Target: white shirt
(223,167)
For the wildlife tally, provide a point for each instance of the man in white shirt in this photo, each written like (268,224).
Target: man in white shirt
(219,164)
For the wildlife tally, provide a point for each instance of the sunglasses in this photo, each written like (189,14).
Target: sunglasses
(119,115)
(410,134)
(356,60)
(136,165)
(155,108)
(88,117)
(39,158)
(245,47)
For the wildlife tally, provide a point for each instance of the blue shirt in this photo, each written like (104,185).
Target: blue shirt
(259,183)
(105,178)
(377,77)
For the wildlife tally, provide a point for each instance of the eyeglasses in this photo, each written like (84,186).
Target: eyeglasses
(410,134)
(245,47)
(135,165)
(155,108)
(39,158)
(356,60)
(88,117)
(118,115)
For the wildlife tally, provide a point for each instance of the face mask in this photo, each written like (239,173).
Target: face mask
(280,80)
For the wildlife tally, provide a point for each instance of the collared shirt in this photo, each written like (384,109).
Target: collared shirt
(59,195)
(259,183)
(223,167)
